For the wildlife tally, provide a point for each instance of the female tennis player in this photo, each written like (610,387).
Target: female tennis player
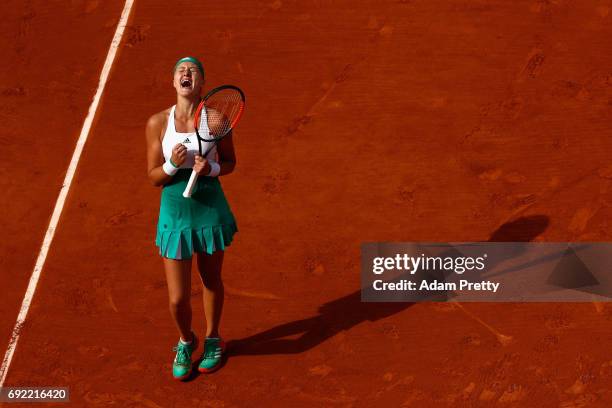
(202,224)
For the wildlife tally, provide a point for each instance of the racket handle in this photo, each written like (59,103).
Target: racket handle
(190,184)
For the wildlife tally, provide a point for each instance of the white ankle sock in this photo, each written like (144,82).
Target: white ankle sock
(185,342)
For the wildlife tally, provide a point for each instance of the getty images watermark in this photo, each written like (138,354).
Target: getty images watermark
(486,272)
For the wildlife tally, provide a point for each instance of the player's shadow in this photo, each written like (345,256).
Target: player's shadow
(524,229)
(348,311)
(334,317)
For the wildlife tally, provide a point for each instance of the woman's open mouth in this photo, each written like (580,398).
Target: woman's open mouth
(185,83)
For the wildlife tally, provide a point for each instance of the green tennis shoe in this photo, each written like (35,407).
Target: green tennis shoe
(181,368)
(214,348)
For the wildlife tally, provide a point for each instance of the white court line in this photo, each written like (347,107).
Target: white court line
(59,204)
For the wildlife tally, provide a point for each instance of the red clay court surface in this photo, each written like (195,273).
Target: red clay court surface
(366,121)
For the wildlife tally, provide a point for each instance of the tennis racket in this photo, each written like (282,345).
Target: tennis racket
(215,117)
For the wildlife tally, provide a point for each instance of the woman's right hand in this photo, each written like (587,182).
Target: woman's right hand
(179,154)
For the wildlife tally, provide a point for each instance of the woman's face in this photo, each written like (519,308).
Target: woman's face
(188,79)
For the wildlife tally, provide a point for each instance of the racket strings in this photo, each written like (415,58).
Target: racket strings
(223,110)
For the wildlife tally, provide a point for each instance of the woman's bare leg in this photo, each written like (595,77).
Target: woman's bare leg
(210,267)
(178,277)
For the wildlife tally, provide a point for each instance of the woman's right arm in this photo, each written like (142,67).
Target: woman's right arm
(155,156)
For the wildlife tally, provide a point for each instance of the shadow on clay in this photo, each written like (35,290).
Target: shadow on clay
(348,311)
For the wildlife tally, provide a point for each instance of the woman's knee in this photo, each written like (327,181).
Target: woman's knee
(178,302)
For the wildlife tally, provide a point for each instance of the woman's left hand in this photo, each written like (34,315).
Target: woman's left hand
(201,166)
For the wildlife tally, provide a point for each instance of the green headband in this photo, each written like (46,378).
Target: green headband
(192,60)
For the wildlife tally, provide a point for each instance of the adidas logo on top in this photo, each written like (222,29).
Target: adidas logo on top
(186,140)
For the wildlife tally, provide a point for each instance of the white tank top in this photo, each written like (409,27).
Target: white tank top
(190,140)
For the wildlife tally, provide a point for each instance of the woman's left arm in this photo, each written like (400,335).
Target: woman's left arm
(227,159)
(227,155)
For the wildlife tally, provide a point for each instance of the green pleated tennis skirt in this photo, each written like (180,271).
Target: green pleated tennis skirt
(202,223)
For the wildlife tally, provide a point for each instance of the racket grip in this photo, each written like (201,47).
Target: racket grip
(190,184)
